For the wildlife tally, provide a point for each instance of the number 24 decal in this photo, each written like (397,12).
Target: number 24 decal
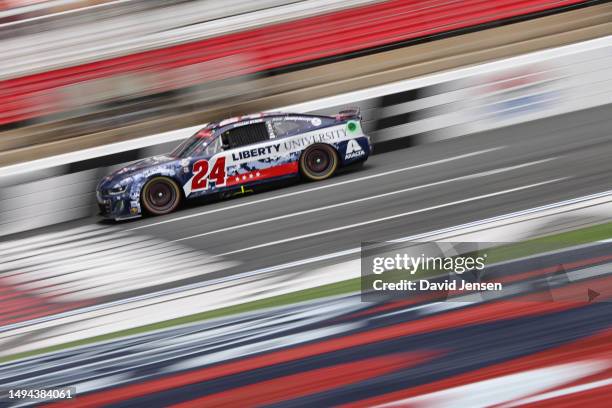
(202,175)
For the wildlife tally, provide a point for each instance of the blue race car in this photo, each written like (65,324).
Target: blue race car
(235,154)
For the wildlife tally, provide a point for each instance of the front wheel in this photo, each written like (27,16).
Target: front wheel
(318,162)
(160,195)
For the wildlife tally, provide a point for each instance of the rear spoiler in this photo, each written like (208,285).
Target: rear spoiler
(349,114)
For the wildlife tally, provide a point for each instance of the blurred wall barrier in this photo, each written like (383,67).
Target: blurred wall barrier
(48,73)
(421,110)
(488,96)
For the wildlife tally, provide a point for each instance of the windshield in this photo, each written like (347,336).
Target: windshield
(195,145)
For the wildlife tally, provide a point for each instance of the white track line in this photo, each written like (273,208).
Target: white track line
(308,190)
(390,217)
(374,197)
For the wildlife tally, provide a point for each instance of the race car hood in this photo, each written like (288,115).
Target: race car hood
(135,167)
(144,163)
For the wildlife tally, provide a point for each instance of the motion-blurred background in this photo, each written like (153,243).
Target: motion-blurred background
(496,112)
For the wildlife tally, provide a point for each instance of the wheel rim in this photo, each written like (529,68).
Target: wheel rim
(161,196)
(318,161)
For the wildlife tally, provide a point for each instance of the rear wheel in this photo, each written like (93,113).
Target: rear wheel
(160,195)
(318,162)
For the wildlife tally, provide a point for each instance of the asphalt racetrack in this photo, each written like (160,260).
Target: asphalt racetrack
(404,192)
(396,194)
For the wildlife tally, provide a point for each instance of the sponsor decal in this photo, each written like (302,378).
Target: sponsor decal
(256,152)
(353,149)
(518,92)
(289,145)
(203,173)
(134,207)
(316,121)
(295,118)
(351,126)
(249,122)
(328,136)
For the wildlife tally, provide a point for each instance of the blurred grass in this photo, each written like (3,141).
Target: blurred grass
(348,286)
(550,243)
(507,252)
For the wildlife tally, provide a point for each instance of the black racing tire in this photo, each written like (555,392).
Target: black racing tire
(319,162)
(160,195)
